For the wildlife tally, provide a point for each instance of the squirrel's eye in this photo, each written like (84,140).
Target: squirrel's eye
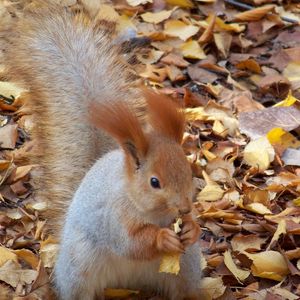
(155,183)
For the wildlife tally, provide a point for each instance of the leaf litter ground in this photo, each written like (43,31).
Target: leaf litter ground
(235,67)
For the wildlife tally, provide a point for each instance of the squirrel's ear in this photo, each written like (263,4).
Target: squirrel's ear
(165,116)
(118,120)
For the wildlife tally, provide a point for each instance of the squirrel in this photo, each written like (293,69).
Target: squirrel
(115,229)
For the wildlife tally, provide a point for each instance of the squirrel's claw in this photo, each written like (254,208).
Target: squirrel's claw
(169,242)
(190,233)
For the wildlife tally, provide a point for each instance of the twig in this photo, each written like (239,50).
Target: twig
(249,7)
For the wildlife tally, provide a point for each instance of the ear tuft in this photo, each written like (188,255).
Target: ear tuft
(165,116)
(118,120)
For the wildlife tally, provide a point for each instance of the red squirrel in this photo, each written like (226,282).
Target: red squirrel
(115,218)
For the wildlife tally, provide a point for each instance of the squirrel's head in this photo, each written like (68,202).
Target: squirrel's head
(159,175)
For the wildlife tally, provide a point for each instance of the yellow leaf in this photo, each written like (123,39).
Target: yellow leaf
(212,287)
(210,193)
(219,129)
(258,208)
(194,114)
(28,256)
(254,14)
(157,17)
(177,224)
(208,155)
(288,101)
(119,293)
(48,253)
(180,29)
(5,255)
(275,134)
(297,201)
(170,263)
(285,139)
(138,2)
(238,273)
(259,154)
(268,264)
(181,3)
(192,49)
(221,25)
(281,229)
(292,71)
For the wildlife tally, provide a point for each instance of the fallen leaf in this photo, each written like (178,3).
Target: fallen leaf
(212,287)
(8,136)
(192,49)
(259,154)
(179,29)
(138,2)
(254,14)
(288,101)
(238,273)
(6,255)
(157,17)
(268,264)
(13,275)
(247,243)
(291,157)
(259,123)
(281,229)
(181,3)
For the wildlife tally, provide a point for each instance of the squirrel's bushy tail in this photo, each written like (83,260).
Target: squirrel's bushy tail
(65,61)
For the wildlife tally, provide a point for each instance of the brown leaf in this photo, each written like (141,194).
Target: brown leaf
(254,14)
(8,136)
(259,123)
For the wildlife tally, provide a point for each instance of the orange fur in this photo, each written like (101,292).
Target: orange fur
(118,119)
(165,116)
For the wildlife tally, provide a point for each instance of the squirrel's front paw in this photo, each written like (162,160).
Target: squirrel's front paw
(168,241)
(190,231)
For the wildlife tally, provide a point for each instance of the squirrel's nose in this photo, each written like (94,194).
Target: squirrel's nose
(184,210)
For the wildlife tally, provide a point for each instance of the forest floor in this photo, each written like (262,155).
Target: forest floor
(235,66)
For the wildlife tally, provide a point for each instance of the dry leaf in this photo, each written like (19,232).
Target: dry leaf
(6,255)
(281,229)
(259,154)
(192,49)
(138,2)
(268,264)
(211,192)
(170,263)
(181,3)
(238,273)
(247,243)
(8,136)
(259,123)
(13,275)
(254,14)
(179,29)
(157,17)
(212,288)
